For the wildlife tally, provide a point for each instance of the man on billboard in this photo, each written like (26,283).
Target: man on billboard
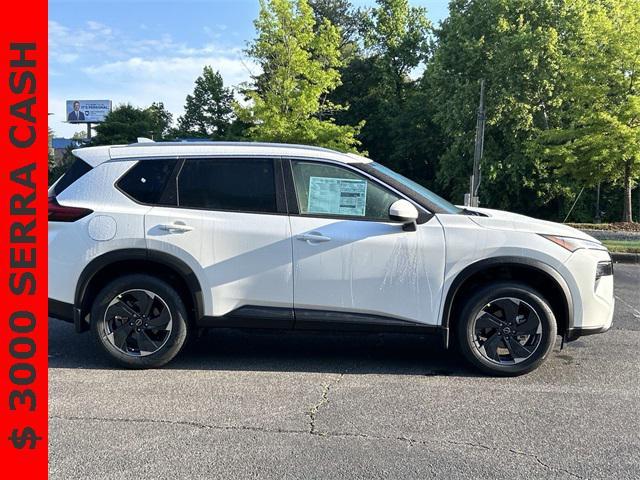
(75,115)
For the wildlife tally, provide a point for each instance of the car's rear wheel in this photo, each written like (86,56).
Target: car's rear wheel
(506,329)
(139,321)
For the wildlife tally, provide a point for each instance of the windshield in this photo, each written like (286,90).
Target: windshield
(427,194)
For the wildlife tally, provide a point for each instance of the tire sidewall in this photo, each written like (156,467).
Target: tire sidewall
(179,331)
(466,335)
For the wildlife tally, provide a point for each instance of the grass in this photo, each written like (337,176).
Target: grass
(623,246)
(616,226)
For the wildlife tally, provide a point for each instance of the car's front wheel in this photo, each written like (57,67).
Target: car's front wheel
(139,321)
(506,329)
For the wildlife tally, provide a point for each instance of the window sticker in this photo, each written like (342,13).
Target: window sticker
(337,196)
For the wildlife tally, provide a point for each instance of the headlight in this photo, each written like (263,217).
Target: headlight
(604,269)
(573,244)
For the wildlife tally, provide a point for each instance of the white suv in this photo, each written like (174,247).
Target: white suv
(150,241)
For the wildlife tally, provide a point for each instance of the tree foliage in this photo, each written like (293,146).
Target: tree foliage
(300,67)
(513,46)
(597,136)
(125,123)
(208,112)
(160,120)
(562,96)
(342,15)
(377,84)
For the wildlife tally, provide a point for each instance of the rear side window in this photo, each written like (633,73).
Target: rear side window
(241,185)
(77,169)
(147,182)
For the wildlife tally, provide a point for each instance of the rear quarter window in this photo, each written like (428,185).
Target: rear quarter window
(148,182)
(77,169)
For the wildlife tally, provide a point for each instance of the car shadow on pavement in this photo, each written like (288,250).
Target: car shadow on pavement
(278,351)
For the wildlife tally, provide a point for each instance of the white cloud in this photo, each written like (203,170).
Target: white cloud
(108,64)
(67,57)
(168,69)
(84,39)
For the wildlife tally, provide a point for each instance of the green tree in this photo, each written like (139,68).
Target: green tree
(123,125)
(341,14)
(288,102)
(79,135)
(160,119)
(208,112)
(53,174)
(514,46)
(398,35)
(598,134)
(377,85)
(57,168)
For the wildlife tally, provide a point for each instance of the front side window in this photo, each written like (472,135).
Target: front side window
(329,190)
(430,197)
(240,185)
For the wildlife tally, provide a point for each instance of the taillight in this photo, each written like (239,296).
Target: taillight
(60,213)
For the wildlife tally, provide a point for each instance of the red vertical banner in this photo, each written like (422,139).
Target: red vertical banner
(23,241)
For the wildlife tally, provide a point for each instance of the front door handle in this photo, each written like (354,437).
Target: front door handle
(313,237)
(176,227)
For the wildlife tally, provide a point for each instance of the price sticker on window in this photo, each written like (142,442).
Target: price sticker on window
(337,196)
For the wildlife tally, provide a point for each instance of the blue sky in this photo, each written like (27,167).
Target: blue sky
(143,51)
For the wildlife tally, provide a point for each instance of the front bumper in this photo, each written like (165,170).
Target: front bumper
(575,333)
(594,300)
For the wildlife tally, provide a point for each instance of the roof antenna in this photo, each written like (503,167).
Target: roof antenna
(145,140)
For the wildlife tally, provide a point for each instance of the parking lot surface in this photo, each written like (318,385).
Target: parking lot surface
(290,405)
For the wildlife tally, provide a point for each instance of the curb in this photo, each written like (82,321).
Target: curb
(612,234)
(625,257)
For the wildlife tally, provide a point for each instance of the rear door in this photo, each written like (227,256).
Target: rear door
(351,262)
(228,222)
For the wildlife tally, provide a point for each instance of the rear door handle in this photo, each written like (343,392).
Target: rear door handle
(176,227)
(313,237)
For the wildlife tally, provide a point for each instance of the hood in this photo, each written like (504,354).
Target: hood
(501,220)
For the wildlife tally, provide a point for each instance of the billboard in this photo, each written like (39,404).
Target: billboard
(87,111)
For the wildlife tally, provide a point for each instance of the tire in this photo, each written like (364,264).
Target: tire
(139,321)
(506,329)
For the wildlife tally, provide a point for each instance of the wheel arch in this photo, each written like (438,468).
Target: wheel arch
(134,260)
(535,273)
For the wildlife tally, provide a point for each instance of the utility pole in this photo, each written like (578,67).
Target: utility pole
(471,199)
(598,218)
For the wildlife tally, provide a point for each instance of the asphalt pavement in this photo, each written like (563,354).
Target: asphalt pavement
(289,405)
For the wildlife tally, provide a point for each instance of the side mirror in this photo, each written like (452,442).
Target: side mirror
(405,212)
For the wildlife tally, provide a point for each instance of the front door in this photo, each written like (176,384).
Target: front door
(350,258)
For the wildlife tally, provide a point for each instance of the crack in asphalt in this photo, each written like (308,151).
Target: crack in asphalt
(516,452)
(313,411)
(184,423)
(636,312)
(549,467)
(312,431)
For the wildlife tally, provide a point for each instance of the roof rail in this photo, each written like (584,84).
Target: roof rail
(142,141)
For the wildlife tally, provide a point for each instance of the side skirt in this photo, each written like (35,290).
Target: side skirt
(252,317)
